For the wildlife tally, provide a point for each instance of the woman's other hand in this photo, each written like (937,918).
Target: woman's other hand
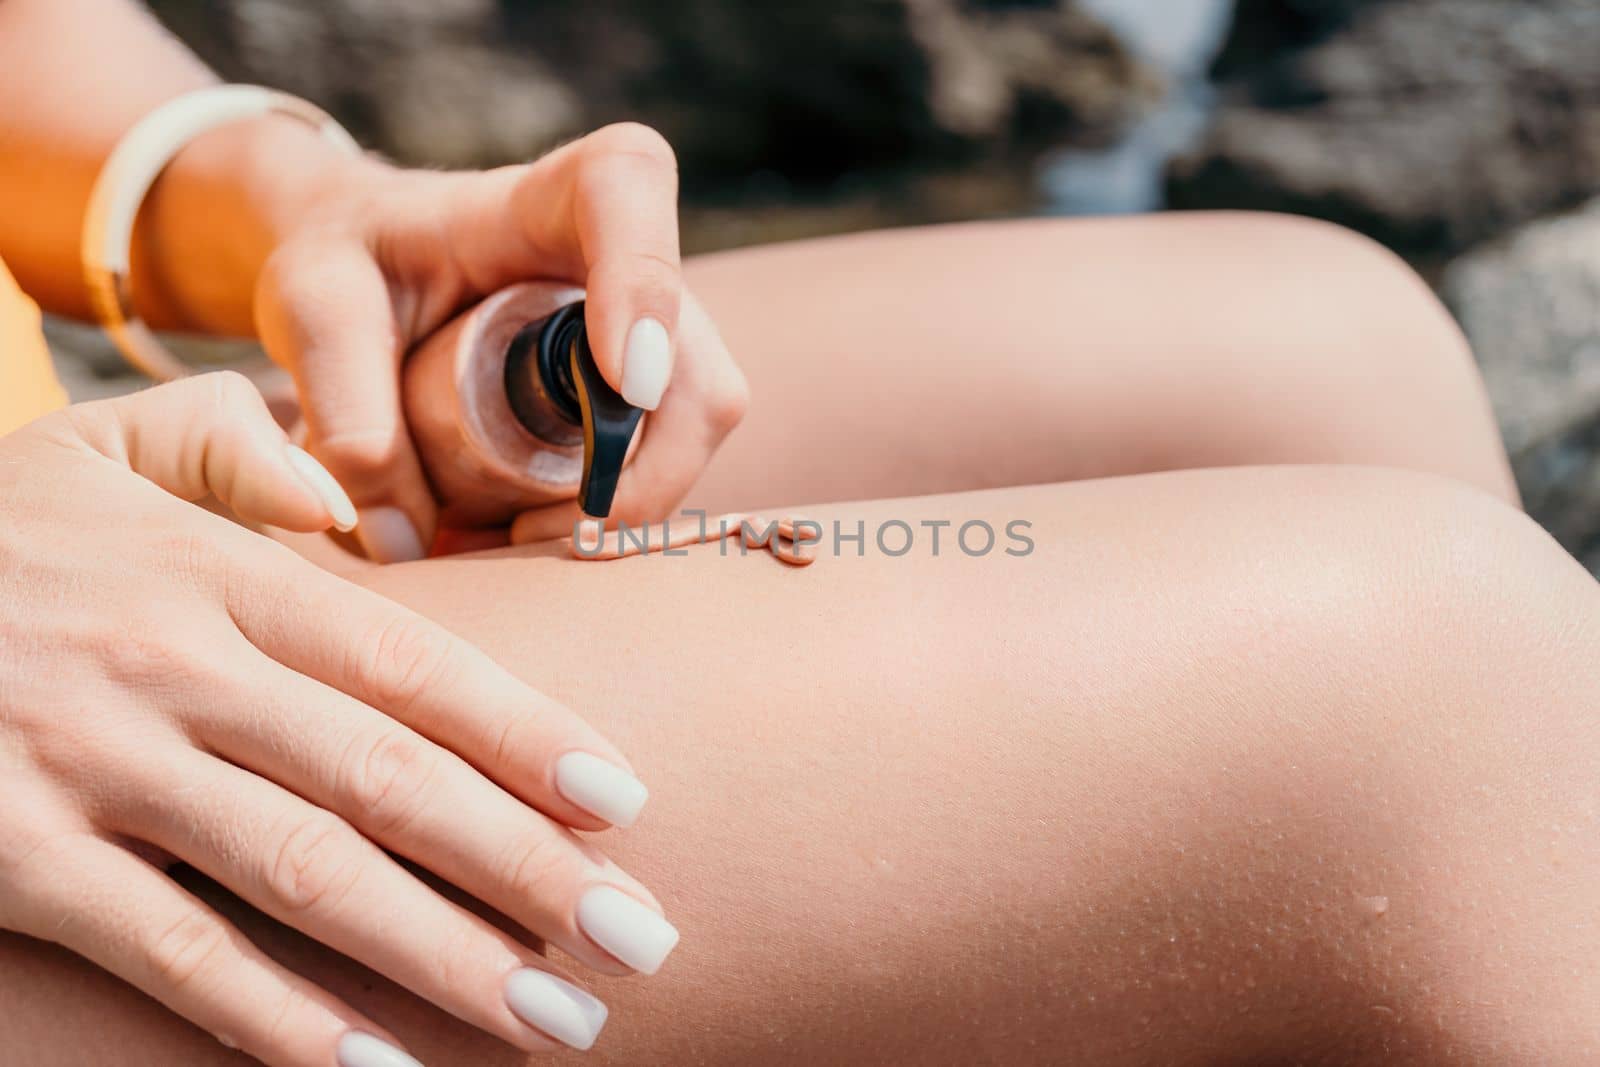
(176,687)
(379,258)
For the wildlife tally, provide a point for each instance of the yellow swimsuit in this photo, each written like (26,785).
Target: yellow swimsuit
(28,386)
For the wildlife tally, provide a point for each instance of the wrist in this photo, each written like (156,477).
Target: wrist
(219,209)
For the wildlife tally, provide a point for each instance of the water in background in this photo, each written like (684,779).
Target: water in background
(1179,38)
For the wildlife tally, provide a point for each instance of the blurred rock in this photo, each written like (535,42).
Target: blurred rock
(1429,124)
(1264,30)
(814,91)
(1531,305)
(432,81)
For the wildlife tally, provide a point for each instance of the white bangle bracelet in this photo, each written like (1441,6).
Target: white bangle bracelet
(126,177)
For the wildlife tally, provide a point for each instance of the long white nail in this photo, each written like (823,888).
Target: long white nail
(589,533)
(326,486)
(600,787)
(626,928)
(388,536)
(646,364)
(559,1008)
(357,1049)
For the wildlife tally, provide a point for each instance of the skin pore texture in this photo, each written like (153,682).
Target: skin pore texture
(1289,762)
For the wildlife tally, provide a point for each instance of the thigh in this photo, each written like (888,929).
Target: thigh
(1011,353)
(1231,765)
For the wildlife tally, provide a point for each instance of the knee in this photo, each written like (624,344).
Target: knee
(1354,289)
(1335,350)
(1444,760)
(1356,308)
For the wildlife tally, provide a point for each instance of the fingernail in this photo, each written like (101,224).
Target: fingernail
(388,536)
(357,1049)
(646,363)
(600,787)
(558,1008)
(626,928)
(326,486)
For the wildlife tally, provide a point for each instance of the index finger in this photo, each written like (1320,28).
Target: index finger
(601,212)
(421,675)
(624,208)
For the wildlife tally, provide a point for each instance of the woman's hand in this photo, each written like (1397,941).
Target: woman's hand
(379,258)
(174,686)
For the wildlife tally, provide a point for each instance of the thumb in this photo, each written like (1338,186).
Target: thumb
(323,311)
(213,435)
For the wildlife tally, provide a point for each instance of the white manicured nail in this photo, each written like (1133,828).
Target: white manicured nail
(388,536)
(588,534)
(600,787)
(626,928)
(646,364)
(326,486)
(357,1049)
(558,1008)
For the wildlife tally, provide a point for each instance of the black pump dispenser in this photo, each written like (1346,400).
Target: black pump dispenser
(550,366)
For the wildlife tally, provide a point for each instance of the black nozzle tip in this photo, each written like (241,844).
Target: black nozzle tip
(566,378)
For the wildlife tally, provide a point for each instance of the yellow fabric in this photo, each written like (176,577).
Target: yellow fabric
(28,386)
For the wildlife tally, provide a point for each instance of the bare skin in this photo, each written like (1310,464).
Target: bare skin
(1021,353)
(1289,764)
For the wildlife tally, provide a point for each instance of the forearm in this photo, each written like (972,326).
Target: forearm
(77,74)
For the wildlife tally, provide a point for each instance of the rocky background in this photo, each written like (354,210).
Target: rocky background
(1466,135)
(1463,133)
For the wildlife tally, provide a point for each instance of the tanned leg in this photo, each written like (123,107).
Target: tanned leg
(1289,765)
(992,354)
